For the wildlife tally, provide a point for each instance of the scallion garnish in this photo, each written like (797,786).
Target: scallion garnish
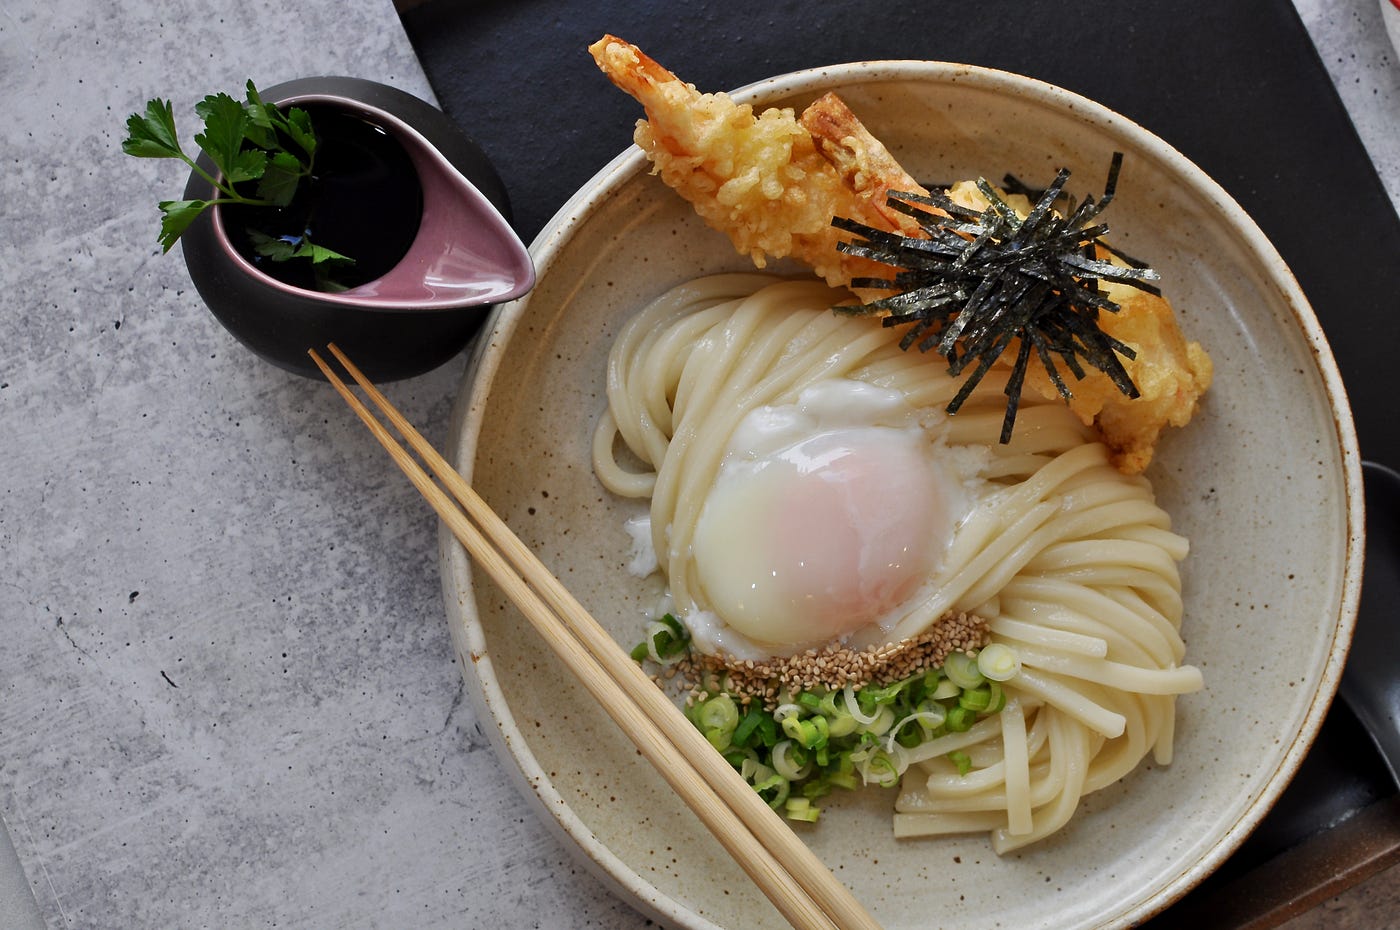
(667,641)
(998,662)
(962,670)
(801,809)
(806,745)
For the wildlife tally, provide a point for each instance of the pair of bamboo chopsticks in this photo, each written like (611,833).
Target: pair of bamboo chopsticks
(792,877)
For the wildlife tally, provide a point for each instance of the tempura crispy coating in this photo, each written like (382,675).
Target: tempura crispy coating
(773,183)
(866,167)
(1171,375)
(757,178)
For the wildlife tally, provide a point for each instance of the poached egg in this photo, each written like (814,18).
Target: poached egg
(826,515)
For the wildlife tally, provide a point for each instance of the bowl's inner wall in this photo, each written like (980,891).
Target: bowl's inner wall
(1255,482)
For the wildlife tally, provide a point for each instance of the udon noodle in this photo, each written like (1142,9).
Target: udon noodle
(1072,563)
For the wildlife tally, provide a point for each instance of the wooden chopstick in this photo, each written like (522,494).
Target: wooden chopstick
(788,873)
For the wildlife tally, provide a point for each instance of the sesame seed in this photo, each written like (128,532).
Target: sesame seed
(835,666)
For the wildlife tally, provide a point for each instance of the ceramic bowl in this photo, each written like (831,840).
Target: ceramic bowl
(1265,483)
(463,258)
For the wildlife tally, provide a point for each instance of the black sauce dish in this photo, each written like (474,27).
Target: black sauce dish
(455,255)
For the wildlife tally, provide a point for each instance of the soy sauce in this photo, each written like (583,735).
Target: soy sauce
(363,200)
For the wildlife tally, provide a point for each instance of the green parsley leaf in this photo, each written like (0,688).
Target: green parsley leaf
(176,217)
(298,126)
(248,165)
(260,134)
(280,249)
(263,119)
(279,181)
(225,125)
(273,247)
(319,254)
(259,112)
(153,136)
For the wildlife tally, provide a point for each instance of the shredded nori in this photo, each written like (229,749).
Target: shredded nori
(982,279)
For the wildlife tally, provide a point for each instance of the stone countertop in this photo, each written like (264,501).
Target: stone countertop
(227,694)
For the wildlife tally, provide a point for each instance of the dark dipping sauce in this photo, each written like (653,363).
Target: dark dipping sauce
(363,200)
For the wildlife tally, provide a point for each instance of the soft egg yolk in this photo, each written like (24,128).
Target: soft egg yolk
(814,540)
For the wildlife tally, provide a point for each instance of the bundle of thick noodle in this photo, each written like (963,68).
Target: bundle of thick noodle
(728,384)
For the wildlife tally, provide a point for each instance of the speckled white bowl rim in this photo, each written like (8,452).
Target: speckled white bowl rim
(475,657)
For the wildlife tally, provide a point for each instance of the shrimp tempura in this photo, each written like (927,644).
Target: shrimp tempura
(759,179)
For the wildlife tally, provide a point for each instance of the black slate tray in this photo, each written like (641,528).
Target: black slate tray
(1237,87)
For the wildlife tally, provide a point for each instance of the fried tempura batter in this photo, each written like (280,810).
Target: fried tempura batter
(757,178)
(1171,374)
(864,164)
(772,183)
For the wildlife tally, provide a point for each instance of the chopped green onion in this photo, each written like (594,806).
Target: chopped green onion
(717,718)
(839,726)
(768,731)
(783,711)
(976,699)
(801,809)
(998,662)
(884,719)
(736,756)
(815,742)
(774,790)
(854,709)
(961,670)
(946,689)
(815,734)
(998,703)
(790,762)
(822,733)
(753,771)
(748,725)
(719,712)
(962,760)
(666,642)
(880,769)
(931,715)
(845,780)
(960,719)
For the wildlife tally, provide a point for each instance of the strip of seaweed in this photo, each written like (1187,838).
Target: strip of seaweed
(980,280)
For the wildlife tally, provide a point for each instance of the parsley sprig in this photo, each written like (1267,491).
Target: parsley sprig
(981,279)
(248,141)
